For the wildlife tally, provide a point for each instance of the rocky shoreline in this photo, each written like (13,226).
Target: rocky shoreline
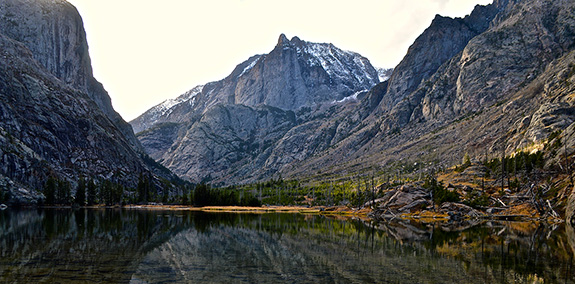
(447,213)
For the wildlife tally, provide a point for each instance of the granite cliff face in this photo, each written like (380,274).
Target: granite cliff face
(444,38)
(53,31)
(297,74)
(56,120)
(515,58)
(502,60)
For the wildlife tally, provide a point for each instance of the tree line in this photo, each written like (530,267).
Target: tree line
(512,172)
(90,192)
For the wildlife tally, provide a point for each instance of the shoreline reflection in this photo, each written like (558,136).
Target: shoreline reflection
(140,246)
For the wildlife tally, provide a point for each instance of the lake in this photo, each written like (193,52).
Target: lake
(146,246)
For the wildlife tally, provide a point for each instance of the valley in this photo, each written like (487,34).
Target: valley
(304,164)
(479,112)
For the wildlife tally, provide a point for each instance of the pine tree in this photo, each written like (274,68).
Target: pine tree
(144,189)
(3,196)
(165,191)
(50,191)
(202,195)
(60,192)
(119,194)
(185,200)
(466,160)
(107,192)
(91,195)
(81,192)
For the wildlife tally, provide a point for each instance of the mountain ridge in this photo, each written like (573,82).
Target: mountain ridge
(296,77)
(461,74)
(457,111)
(245,85)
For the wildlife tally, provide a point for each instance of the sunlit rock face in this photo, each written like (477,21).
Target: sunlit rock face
(442,40)
(513,77)
(297,74)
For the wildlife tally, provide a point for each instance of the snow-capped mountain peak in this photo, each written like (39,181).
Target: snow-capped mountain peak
(336,62)
(295,74)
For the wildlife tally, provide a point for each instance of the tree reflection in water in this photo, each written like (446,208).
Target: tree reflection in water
(141,246)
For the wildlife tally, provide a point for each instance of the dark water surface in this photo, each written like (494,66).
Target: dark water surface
(138,246)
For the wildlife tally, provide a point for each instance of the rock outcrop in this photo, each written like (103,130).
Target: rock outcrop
(228,139)
(442,40)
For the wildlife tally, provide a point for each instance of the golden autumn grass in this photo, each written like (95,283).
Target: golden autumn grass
(335,210)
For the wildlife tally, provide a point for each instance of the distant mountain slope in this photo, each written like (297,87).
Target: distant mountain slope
(228,130)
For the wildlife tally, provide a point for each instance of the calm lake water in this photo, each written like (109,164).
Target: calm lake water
(139,246)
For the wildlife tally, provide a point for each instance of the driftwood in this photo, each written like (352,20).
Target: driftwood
(553,213)
(499,201)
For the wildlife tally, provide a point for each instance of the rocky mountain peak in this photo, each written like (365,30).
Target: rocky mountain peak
(283,40)
(296,40)
(440,20)
(295,74)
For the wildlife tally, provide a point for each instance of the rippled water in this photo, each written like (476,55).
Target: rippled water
(138,246)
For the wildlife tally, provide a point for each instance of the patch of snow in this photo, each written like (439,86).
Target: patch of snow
(340,64)
(250,66)
(349,98)
(384,73)
(166,107)
(362,62)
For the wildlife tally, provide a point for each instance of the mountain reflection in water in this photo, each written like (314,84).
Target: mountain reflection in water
(140,246)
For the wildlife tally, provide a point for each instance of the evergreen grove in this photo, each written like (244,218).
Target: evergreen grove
(354,191)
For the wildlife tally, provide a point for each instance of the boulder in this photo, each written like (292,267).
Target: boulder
(458,211)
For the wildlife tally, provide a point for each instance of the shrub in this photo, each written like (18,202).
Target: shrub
(439,193)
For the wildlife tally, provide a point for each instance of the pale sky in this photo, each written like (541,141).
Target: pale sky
(147,51)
